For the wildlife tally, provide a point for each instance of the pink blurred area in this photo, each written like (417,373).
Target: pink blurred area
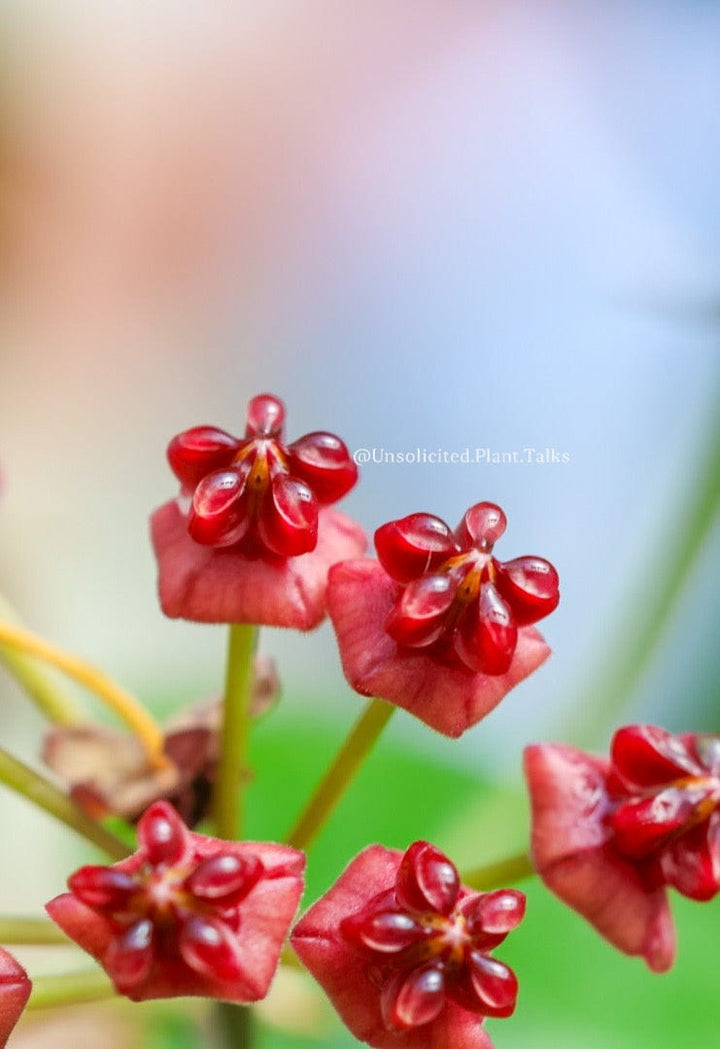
(66,1028)
(148,154)
(161,170)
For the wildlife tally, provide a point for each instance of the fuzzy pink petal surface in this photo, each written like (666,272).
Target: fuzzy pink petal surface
(449,699)
(343,972)
(15,987)
(266,914)
(573,853)
(211,585)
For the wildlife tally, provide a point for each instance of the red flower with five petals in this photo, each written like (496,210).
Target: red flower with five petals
(15,990)
(609,837)
(252,536)
(186,914)
(440,626)
(256,492)
(403,950)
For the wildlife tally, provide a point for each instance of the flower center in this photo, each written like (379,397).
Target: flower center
(470,569)
(266,459)
(161,893)
(449,939)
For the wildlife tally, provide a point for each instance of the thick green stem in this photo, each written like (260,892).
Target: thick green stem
(234,734)
(43,793)
(14,931)
(341,773)
(498,875)
(40,686)
(90,985)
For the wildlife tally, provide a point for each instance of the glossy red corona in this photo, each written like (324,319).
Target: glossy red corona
(610,836)
(403,950)
(665,792)
(186,914)
(438,625)
(459,601)
(256,492)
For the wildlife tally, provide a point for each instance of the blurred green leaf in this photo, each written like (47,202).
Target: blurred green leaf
(577,990)
(171,1028)
(397,797)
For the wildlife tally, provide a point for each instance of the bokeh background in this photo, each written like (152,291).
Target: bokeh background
(425,225)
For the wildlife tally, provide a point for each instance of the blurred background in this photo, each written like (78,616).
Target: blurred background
(427,226)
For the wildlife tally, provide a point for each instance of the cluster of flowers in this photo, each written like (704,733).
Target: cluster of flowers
(436,625)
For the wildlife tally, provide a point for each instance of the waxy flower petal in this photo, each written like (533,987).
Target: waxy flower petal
(250,537)
(400,947)
(647,756)
(197,452)
(206,917)
(223,585)
(573,851)
(448,698)
(426,880)
(257,492)
(691,864)
(15,987)
(458,600)
(413,545)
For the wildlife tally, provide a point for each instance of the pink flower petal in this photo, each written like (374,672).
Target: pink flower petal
(573,854)
(450,699)
(15,990)
(266,914)
(344,973)
(211,585)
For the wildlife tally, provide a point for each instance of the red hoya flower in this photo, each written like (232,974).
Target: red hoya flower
(403,950)
(186,914)
(15,987)
(609,837)
(440,626)
(251,536)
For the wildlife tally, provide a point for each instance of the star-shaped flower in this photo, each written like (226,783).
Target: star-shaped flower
(252,536)
(439,626)
(403,950)
(186,914)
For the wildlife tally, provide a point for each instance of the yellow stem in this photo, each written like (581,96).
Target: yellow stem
(38,683)
(111,694)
